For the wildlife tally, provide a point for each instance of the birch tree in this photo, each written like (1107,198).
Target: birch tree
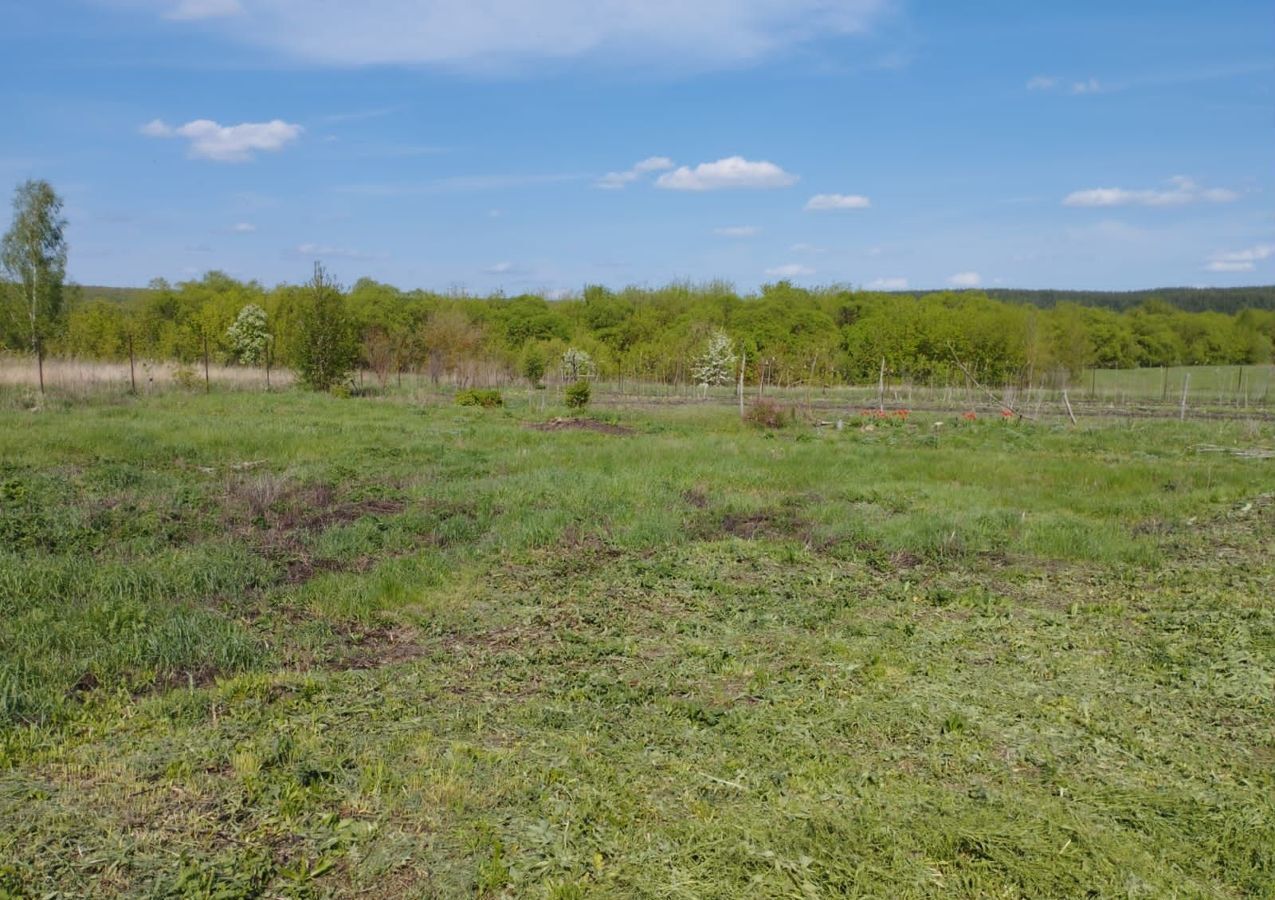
(33,256)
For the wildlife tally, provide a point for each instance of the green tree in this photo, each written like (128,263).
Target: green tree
(327,346)
(534,364)
(33,255)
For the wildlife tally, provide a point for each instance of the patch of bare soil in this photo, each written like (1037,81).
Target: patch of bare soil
(581,425)
(696,497)
(766,524)
(377,648)
(275,514)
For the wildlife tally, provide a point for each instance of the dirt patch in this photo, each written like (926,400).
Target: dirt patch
(269,502)
(765,524)
(581,425)
(905,559)
(275,515)
(377,648)
(696,497)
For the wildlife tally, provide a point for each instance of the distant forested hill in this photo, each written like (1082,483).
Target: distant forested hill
(88,293)
(1226,300)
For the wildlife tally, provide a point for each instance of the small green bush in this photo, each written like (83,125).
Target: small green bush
(475,397)
(578,394)
(767,414)
(186,377)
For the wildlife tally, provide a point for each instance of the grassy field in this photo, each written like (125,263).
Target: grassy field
(295,645)
(1207,385)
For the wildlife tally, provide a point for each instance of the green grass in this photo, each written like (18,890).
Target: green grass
(296,645)
(1207,385)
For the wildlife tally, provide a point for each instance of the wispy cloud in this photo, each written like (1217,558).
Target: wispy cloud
(614,181)
(790,270)
(733,172)
(196,10)
(1180,192)
(362,115)
(243,228)
(327,251)
(228,143)
(502,33)
(965,280)
(821,202)
(889,284)
(501,268)
(1240,260)
(1090,85)
(737,231)
(457,184)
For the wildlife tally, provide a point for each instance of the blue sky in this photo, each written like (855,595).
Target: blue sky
(545,144)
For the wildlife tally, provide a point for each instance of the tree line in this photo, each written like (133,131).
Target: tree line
(783,334)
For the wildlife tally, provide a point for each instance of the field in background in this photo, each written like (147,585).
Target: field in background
(1244,386)
(292,644)
(1238,391)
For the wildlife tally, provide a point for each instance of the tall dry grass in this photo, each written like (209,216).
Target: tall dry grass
(81,376)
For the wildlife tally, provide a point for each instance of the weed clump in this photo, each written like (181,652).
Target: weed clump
(768,414)
(484,398)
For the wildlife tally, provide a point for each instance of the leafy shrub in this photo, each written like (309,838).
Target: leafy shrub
(534,364)
(475,397)
(578,394)
(767,414)
(186,377)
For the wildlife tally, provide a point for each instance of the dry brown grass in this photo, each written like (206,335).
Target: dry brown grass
(90,376)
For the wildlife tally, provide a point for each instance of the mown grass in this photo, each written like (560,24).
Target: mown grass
(296,645)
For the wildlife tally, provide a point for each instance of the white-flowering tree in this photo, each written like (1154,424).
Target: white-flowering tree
(716,365)
(577,365)
(249,336)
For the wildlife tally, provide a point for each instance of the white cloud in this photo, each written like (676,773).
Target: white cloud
(725,174)
(1089,86)
(496,33)
(889,284)
(1240,260)
(808,248)
(243,228)
(500,268)
(837,201)
(195,10)
(737,231)
(1182,191)
(1042,83)
(614,181)
(965,280)
(791,270)
(227,143)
